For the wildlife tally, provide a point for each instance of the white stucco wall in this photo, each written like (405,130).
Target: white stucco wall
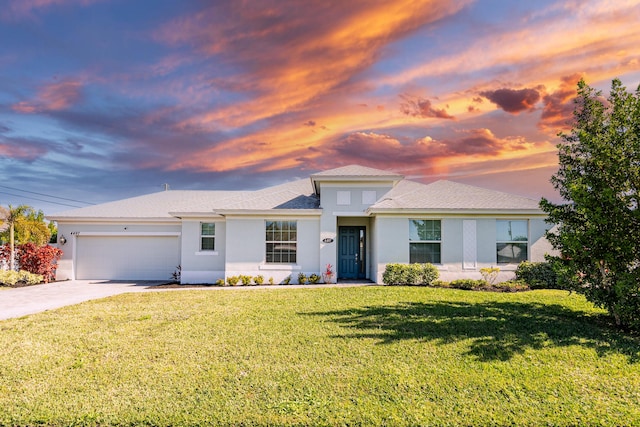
(202,266)
(246,248)
(390,239)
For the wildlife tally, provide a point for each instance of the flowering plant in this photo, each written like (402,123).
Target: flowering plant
(327,276)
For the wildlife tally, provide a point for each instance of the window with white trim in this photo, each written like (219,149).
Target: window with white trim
(207,236)
(512,241)
(425,239)
(281,242)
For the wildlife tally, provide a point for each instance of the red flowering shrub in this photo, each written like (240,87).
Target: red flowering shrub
(41,260)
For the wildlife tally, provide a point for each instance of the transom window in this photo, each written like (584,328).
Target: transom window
(425,239)
(512,241)
(207,236)
(281,239)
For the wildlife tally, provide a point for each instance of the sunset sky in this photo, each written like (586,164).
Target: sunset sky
(107,99)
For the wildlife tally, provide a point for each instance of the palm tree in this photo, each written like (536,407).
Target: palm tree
(9,217)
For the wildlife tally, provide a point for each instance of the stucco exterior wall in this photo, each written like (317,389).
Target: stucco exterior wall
(202,266)
(246,248)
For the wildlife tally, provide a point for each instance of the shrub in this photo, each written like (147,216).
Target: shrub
(246,280)
(35,259)
(410,274)
(302,278)
(490,274)
(286,280)
(468,284)
(538,275)
(233,280)
(12,278)
(512,286)
(220,282)
(258,280)
(314,279)
(271,281)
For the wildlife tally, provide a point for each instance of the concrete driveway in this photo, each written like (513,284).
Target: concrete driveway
(34,299)
(20,302)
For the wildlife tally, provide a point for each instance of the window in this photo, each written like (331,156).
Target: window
(512,241)
(281,238)
(425,236)
(207,236)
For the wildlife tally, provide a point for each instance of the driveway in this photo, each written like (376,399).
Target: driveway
(20,302)
(34,299)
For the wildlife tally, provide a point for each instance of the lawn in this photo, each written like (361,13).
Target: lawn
(341,356)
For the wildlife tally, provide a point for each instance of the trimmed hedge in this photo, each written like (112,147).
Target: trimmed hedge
(410,274)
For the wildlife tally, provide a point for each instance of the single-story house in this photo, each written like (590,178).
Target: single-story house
(355,218)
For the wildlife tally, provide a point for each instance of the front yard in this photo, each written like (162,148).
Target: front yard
(341,356)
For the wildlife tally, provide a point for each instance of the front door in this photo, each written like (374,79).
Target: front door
(351,253)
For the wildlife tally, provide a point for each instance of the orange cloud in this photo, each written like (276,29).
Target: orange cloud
(287,56)
(558,106)
(52,97)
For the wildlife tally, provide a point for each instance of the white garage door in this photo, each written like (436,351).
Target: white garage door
(127,257)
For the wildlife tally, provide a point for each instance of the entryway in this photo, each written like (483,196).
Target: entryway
(352,254)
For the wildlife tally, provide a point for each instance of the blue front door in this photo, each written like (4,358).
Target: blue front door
(351,253)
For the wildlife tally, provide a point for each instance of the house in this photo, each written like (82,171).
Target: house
(355,218)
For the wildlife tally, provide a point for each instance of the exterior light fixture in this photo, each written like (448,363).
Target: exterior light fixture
(62,240)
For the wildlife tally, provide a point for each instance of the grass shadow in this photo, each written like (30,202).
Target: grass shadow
(496,330)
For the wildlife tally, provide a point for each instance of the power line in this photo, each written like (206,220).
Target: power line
(46,195)
(40,200)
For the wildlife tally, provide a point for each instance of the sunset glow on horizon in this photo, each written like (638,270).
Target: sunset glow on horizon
(107,99)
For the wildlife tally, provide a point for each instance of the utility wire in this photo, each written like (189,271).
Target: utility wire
(40,200)
(46,195)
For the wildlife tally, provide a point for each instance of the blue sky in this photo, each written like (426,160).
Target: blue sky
(106,99)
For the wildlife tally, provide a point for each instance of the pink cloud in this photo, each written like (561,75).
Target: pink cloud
(20,9)
(21,150)
(421,107)
(558,105)
(52,97)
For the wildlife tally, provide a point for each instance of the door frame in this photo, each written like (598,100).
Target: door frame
(361,251)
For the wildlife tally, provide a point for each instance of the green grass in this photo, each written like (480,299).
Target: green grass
(341,356)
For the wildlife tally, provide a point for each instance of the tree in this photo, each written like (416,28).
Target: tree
(598,233)
(29,226)
(9,218)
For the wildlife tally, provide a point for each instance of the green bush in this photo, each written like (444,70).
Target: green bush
(220,282)
(286,280)
(233,280)
(410,274)
(512,286)
(246,280)
(12,278)
(468,284)
(538,275)
(302,278)
(258,280)
(314,279)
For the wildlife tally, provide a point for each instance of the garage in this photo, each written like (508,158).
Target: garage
(131,257)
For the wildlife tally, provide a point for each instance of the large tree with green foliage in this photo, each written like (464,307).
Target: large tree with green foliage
(598,233)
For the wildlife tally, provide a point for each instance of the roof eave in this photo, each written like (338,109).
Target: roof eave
(270,212)
(460,211)
(109,219)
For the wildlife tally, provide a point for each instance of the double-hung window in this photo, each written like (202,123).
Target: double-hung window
(512,241)
(282,242)
(207,236)
(425,239)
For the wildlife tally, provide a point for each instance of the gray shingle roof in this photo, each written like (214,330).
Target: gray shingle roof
(355,171)
(448,195)
(405,195)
